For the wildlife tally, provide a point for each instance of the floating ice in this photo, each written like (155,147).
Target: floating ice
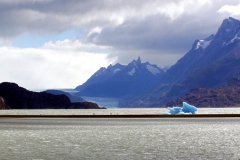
(186,109)
(174,110)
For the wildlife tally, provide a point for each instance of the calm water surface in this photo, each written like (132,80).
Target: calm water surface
(195,138)
(103,102)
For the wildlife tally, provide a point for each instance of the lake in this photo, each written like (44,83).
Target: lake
(103,101)
(144,138)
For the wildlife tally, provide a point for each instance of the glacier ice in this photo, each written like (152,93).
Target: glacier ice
(237,37)
(203,43)
(116,70)
(185,109)
(152,69)
(131,73)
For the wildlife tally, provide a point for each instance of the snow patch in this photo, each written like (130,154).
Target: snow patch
(202,43)
(135,64)
(131,73)
(152,69)
(236,37)
(116,70)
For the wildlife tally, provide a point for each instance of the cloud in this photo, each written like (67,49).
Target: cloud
(230,9)
(175,9)
(51,67)
(164,31)
(56,16)
(160,31)
(75,45)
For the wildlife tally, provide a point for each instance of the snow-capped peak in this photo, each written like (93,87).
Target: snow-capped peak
(136,63)
(153,69)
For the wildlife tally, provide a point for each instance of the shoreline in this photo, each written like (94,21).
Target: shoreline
(124,116)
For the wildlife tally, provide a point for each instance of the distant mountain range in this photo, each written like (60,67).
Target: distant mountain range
(121,81)
(210,63)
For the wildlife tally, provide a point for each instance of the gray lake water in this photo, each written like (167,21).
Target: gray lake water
(103,102)
(189,138)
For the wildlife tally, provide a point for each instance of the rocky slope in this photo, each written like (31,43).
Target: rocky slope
(19,98)
(103,74)
(226,96)
(211,62)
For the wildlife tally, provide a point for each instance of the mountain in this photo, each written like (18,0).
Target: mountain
(103,74)
(121,81)
(19,98)
(71,97)
(226,96)
(211,62)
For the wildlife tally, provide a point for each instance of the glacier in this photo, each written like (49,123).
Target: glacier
(152,69)
(203,43)
(131,73)
(116,70)
(237,37)
(184,110)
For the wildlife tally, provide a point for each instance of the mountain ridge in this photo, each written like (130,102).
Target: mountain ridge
(120,81)
(190,71)
(227,95)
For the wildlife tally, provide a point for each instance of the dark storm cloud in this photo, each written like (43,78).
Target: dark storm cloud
(53,16)
(160,38)
(156,28)
(46,16)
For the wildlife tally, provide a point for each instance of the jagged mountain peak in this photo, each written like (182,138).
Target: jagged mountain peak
(139,60)
(230,22)
(136,62)
(137,67)
(228,32)
(121,80)
(209,66)
(113,67)
(134,67)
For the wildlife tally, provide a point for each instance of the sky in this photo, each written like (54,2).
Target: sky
(60,43)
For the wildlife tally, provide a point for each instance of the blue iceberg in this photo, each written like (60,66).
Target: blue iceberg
(174,110)
(185,109)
